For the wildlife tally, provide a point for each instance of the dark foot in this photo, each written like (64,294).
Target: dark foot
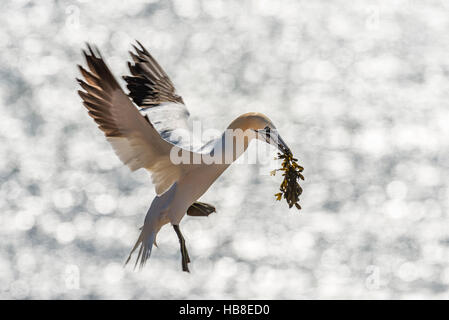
(184,253)
(200,209)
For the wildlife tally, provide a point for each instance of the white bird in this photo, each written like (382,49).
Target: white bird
(144,137)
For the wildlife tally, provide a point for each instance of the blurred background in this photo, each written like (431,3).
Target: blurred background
(360,92)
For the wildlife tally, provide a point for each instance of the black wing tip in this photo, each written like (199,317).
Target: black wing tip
(142,48)
(89,47)
(82,94)
(82,69)
(134,56)
(93,49)
(80,81)
(92,52)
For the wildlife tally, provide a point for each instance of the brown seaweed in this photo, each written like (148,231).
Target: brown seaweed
(292,172)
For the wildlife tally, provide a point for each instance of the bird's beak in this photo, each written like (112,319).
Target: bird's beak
(271,136)
(282,146)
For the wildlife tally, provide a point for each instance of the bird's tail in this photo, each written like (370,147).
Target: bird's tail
(146,240)
(151,226)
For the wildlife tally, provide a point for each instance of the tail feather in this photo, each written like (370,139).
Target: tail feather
(145,240)
(151,226)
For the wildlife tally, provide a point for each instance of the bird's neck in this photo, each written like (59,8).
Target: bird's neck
(232,144)
(234,141)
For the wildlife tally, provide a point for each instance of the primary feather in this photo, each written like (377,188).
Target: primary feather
(134,139)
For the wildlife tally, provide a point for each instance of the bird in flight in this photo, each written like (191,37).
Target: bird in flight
(146,129)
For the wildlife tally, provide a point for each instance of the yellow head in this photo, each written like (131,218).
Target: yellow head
(262,128)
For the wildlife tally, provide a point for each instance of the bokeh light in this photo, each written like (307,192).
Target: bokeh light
(360,94)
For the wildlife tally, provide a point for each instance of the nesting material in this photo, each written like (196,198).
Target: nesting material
(292,172)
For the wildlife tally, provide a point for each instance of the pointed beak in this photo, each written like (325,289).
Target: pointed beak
(282,146)
(272,137)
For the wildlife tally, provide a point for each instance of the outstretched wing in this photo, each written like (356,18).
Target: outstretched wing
(133,138)
(152,90)
(150,85)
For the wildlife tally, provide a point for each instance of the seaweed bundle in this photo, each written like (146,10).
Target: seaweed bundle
(292,172)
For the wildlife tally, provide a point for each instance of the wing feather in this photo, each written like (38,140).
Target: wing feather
(149,85)
(154,93)
(134,139)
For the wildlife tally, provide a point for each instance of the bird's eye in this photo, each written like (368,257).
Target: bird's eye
(267,130)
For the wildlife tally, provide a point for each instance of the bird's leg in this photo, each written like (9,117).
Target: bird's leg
(184,253)
(182,242)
